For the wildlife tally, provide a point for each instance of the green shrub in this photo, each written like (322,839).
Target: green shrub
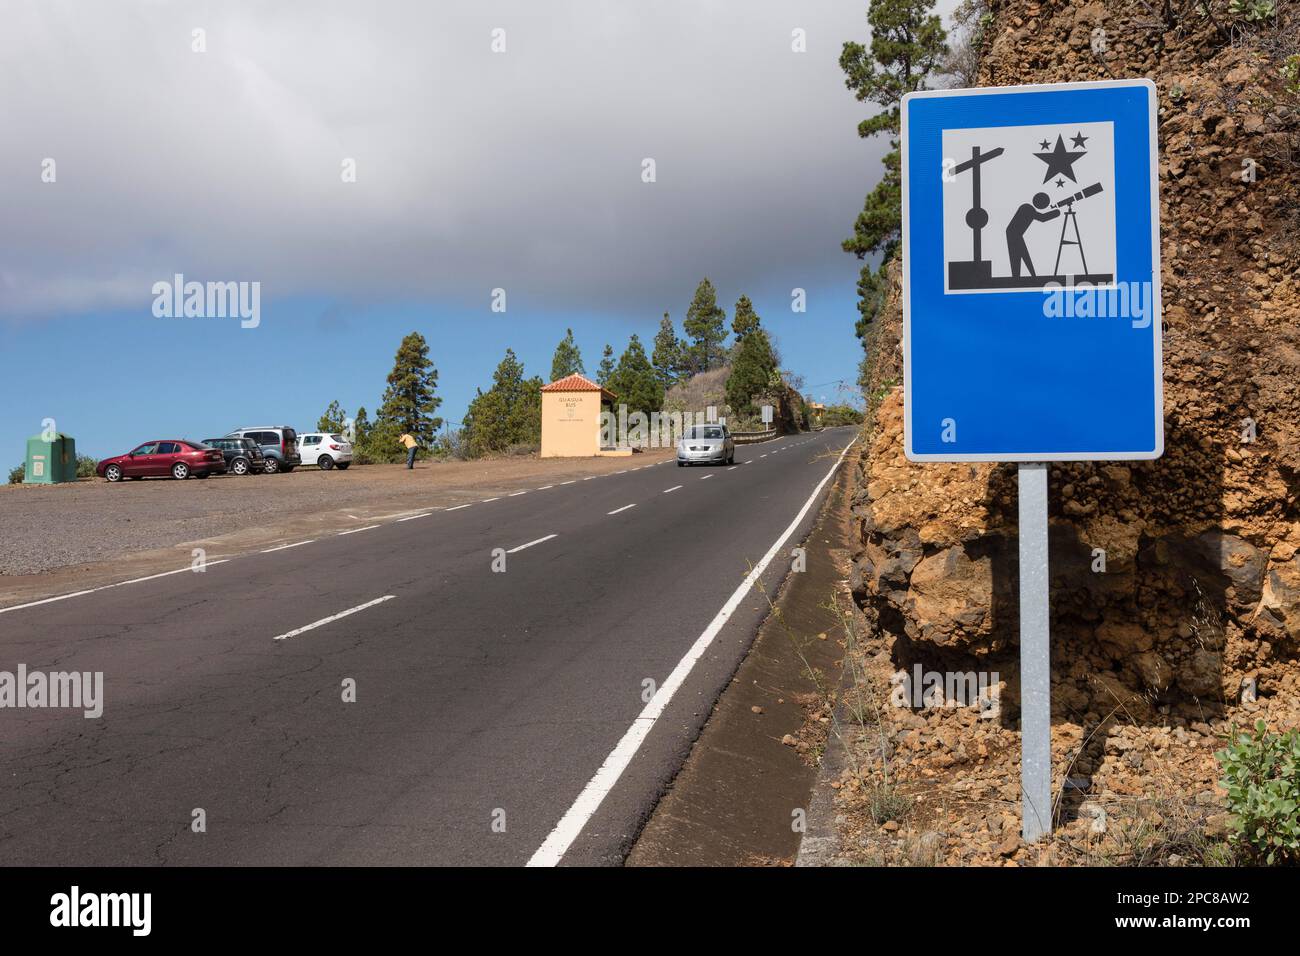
(1255,11)
(884,803)
(1261,773)
(1291,74)
(16,474)
(841,415)
(86,466)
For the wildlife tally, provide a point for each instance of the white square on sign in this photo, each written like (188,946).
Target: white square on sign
(1028,207)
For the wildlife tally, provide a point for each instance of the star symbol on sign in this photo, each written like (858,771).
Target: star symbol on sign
(1078,139)
(1059,161)
(1044,144)
(1060,183)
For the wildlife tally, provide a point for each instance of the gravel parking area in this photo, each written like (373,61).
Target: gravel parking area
(89,522)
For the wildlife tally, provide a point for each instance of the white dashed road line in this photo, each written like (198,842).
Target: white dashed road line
(673,488)
(516,494)
(369,527)
(458,507)
(413,517)
(486,500)
(617,510)
(333,617)
(530,544)
(705,477)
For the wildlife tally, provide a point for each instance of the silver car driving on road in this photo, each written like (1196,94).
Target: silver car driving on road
(707,445)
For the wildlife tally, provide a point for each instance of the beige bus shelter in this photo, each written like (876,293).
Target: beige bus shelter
(571,409)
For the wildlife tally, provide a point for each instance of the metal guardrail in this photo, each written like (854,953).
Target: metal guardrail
(750,438)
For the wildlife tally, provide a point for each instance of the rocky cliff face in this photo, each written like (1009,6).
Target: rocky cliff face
(1174,582)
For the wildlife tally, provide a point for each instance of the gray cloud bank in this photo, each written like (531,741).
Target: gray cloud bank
(474,169)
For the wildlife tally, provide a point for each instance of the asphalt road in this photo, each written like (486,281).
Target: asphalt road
(485,702)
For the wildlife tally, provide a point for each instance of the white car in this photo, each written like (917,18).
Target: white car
(325,450)
(708,444)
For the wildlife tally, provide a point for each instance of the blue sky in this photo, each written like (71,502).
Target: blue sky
(116,379)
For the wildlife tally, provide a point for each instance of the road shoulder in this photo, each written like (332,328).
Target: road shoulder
(746,783)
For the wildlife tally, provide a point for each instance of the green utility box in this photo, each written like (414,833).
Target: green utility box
(50,460)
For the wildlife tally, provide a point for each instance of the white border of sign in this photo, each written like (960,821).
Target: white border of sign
(1157,309)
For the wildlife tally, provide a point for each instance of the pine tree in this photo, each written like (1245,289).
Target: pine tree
(606,370)
(745,320)
(753,372)
(363,445)
(668,357)
(704,328)
(509,413)
(635,382)
(409,401)
(526,415)
(333,420)
(908,43)
(568,358)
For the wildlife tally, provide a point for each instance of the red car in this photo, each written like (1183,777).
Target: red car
(174,457)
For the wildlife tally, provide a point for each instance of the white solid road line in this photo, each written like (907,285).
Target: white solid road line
(283,547)
(333,617)
(413,517)
(458,507)
(106,587)
(617,510)
(395,514)
(673,488)
(593,794)
(369,527)
(530,544)
(164,574)
(61,597)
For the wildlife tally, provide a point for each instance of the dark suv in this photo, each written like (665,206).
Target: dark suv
(243,455)
(279,444)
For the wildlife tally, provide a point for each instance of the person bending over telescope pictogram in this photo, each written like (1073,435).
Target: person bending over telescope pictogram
(1025,215)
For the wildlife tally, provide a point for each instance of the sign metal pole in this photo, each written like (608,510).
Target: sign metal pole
(1035,673)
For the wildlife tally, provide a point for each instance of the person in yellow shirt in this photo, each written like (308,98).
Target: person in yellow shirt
(412,446)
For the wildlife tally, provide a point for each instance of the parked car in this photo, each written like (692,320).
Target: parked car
(325,449)
(707,444)
(243,455)
(179,458)
(279,444)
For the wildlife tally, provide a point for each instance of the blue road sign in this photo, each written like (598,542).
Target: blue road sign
(1031,273)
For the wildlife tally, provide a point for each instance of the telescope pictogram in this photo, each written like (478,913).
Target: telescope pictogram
(1071,218)
(1023,240)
